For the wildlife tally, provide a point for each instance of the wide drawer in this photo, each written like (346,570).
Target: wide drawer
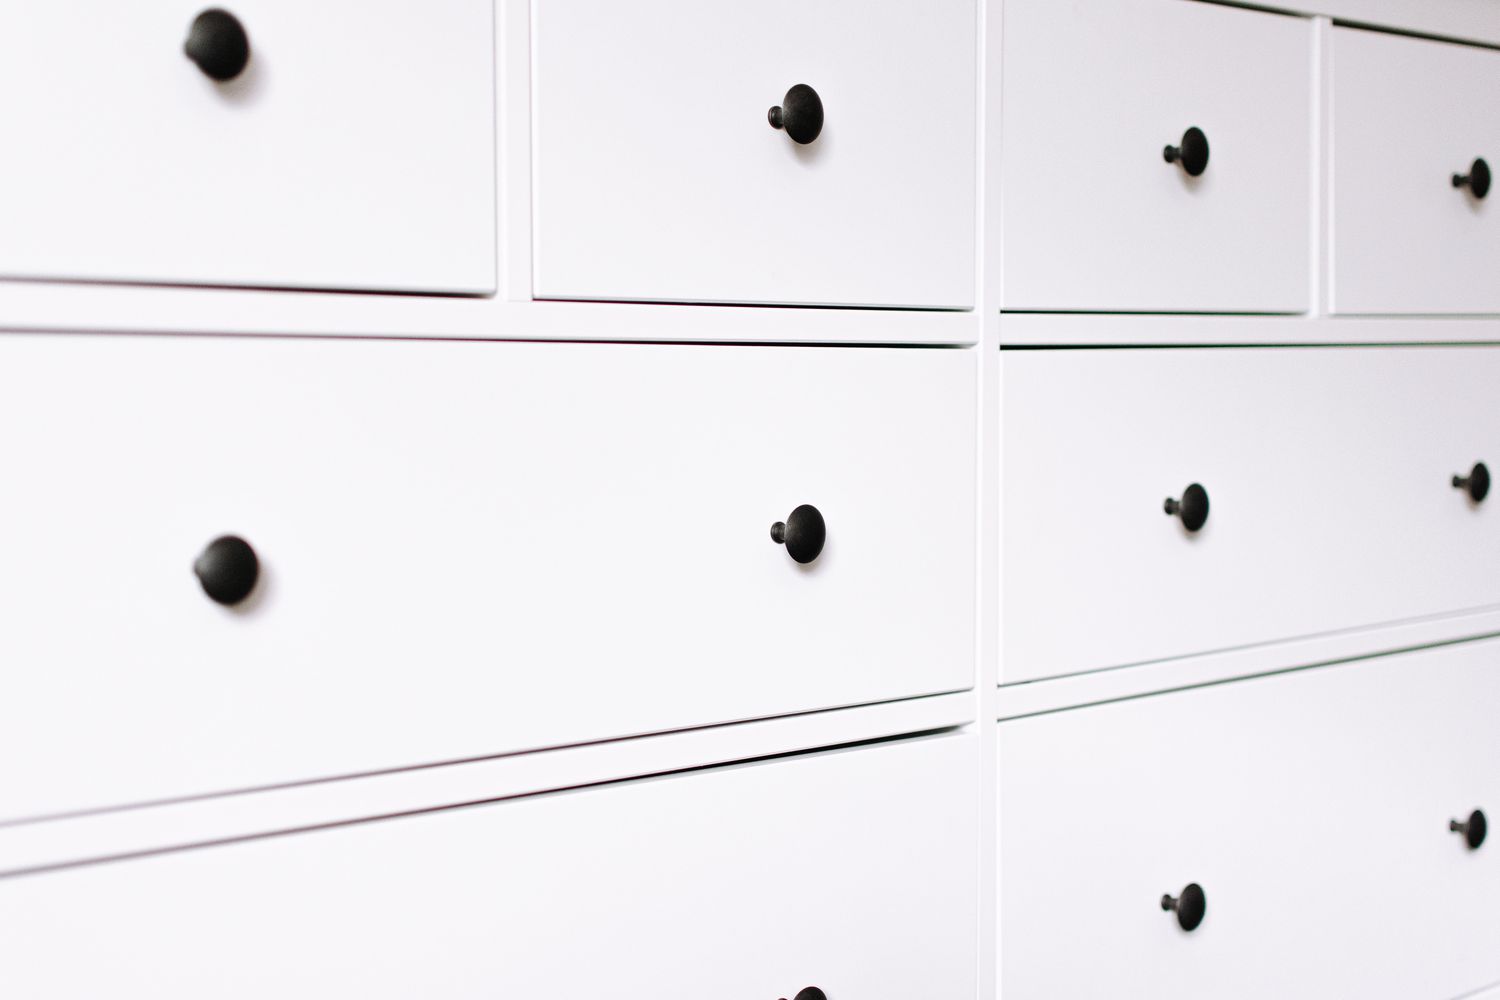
(356,148)
(1411,233)
(1095,217)
(658,175)
(852,872)
(466,549)
(1329,475)
(1311,809)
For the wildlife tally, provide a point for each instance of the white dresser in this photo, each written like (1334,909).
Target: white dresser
(814,500)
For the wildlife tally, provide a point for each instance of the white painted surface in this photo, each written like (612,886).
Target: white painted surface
(1407,116)
(1328,473)
(658,177)
(469,549)
(1094,218)
(1312,808)
(67,840)
(1472,20)
(1101,330)
(852,871)
(357,150)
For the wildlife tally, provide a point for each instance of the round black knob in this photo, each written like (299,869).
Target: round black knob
(803,533)
(228,569)
(1474,828)
(1190,906)
(218,44)
(1192,153)
(811,993)
(800,114)
(1476,483)
(1192,508)
(1477,180)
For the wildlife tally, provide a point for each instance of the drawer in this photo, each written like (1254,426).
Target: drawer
(1095,217)
(669,183)
(1329,479)
(851,872)
(1406,238)
(465,549)
(355,149)
(1312,810)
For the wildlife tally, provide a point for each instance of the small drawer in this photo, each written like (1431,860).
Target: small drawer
(355,149)
(850,874)
(1095,217)
(1415,228)
(1327,478)
(658,175)
(464,549)
(1312,810)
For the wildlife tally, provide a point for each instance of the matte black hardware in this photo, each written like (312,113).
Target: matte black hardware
(811,993)
(228,569)
(1192,153)
(800,114)
(1192,508)
(1190,906)
(218,44)
(803,533)
(1477,180)
(1476,483)
(1474,828)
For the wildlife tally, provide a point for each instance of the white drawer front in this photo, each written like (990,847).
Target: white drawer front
(851,872)
(355,150)
(1312,809)
(1094,216)
(1329,478)
(1408,115)
(467,549)
(658,175)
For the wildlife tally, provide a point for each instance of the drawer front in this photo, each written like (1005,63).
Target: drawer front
(1312,809)
(670,184)
(1095,218)
(466,549)
(1405,238)
(1329,477)
(852,872)
(363,127)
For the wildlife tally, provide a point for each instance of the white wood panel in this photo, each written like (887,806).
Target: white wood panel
(469,549)
(851,871)
(357,150)
(1407,115)
(658,177)
(1329,478)
(1094,218)
(1312,808)
(1473,20)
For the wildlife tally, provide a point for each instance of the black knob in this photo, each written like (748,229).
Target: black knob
(1476,483)
(803,533)
(1190,906)
(1474,828)
(1192,508)
(218,44)
(1477,180)
(800,113)
(228,569)
(1192,153)
(811,993)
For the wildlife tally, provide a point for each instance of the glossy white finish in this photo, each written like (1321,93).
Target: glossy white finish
(853,871)
(469,549)
(1406,118)
(356,151)
(1094,218)
(658,177)
(1329,479)
(1312,808)
(1472,20)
